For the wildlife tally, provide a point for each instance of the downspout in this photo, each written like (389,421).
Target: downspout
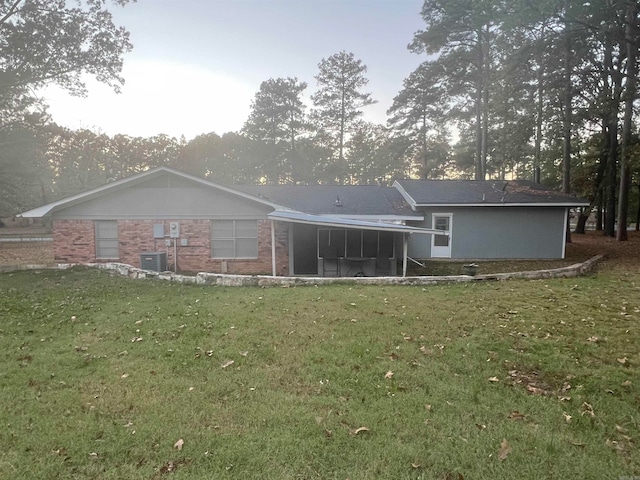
(404,254)
(273,248)
(564,232)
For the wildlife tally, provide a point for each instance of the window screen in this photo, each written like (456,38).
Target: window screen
(107,239)
(234,239)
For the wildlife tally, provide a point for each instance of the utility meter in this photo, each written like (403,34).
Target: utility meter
(174,230)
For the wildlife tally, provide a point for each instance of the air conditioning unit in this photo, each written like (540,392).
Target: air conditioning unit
(154,261)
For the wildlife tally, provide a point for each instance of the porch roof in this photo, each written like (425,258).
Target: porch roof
(330,221)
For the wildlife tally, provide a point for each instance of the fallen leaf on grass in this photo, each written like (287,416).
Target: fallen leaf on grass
(358,430)
(244,354)
(481,426)
(626,383)
(587,409)
(179,444)
(226,364)
(621,429)
(516,415)
(578,444)
(505,450)
(415,465)
(622,361)
(328,433)
(567,417)
(389,374)
(535,390)
(494,379)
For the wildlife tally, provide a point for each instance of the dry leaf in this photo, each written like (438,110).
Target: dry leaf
(567,417)
(428,407)
(587,409)
(389,374)
(244,354)
(415,465)
(622,361)
(481,426)
(535,390)
(626,383)
(228,363)
(516,415)
(621,429)
(328,433)
(359,430)
(505,450)
(494,379)
(178,445)
(393,356)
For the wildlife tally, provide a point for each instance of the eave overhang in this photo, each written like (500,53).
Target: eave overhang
(338,222)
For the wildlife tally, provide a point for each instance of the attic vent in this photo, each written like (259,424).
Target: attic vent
(338,203)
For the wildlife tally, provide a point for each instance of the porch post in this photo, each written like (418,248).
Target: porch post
(273,248)
(404,254)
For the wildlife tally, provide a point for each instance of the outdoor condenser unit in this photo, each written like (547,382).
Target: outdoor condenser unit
(155,261)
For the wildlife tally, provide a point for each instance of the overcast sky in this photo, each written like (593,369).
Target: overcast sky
(197,64)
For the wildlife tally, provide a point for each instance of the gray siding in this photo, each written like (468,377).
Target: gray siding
(154,200)
(498,233)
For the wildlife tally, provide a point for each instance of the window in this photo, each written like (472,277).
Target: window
(234,239)
(107,239)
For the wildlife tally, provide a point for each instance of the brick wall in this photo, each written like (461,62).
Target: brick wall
(74,242)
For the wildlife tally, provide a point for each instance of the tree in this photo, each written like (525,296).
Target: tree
(461,33)
(277,120)
(49,41)
(338,104)
(418,113)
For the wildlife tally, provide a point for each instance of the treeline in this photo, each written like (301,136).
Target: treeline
(541,90)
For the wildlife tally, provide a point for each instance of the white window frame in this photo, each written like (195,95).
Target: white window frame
(234,240)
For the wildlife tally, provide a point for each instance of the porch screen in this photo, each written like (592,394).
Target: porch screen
(107,239)
(234,239)
(355,243)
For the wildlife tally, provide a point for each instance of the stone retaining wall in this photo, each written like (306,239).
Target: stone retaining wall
(269,281)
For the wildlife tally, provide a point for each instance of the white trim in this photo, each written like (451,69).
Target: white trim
(376,218)
(500,204)
(565,225)
(273,248)
(408,198)
(325,221)
(448,233)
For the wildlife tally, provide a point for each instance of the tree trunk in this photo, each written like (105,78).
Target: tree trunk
(630,91)
(582,222)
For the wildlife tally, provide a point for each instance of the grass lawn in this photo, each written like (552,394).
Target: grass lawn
(104,377)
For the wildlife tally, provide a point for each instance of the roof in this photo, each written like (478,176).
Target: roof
(480,193)
(331,221)
(49,208)
(350,201)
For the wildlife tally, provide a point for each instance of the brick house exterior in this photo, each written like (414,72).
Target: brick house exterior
(340,230)
(75,242)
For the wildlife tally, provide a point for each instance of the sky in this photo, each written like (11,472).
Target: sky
(196,65)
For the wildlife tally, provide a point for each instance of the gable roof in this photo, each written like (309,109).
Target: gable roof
(129,182)
(338,201)
(481,193)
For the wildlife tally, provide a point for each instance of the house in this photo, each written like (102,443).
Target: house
(197,225)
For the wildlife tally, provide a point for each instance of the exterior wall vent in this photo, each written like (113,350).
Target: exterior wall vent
(154,261)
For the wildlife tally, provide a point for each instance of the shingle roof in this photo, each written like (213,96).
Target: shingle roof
(483,192)
(336,200)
